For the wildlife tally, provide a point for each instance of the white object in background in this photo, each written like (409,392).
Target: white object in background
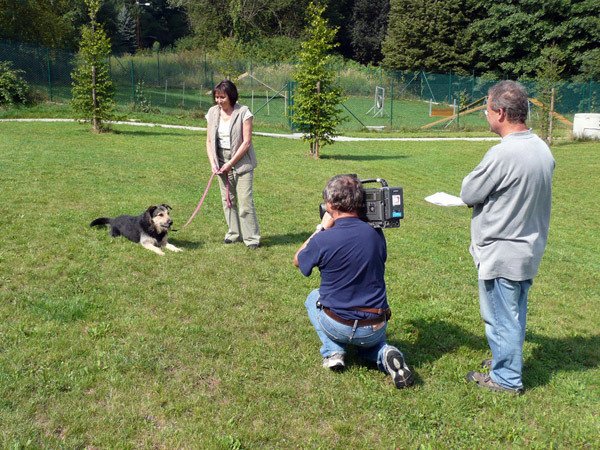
(586,126)
(443,199)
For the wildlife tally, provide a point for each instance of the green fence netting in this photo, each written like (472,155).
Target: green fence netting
(171,82)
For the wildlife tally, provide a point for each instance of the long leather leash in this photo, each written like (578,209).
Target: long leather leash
(210,180)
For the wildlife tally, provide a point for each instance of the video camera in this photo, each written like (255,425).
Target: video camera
(383,207)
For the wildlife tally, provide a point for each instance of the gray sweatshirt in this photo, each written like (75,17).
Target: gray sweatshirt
(510,192)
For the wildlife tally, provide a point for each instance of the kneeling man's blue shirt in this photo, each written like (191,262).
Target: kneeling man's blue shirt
(351,258)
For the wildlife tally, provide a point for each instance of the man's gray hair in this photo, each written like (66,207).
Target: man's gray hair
(344,193)
(510,96)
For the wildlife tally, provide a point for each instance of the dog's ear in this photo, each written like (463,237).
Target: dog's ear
(167,206)
(151,210)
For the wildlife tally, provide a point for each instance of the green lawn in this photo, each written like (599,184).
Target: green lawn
(104,344)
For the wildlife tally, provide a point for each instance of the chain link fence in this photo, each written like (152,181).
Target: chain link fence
(175,83)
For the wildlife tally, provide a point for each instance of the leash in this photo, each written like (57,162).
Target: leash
(210,180)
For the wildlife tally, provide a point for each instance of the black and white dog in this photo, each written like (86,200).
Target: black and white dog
(149,228)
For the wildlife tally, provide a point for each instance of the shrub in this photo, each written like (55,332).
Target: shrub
(13,89)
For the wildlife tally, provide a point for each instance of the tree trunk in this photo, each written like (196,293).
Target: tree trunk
(550,113)
(95,120)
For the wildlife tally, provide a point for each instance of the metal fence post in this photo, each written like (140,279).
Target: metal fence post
(157,69)
(49,74)
(131,71)
(391,103)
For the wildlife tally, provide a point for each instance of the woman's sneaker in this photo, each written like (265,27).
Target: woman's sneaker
(397,368)
(334,362)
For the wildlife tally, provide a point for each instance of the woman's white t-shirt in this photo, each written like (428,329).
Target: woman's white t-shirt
(223,131)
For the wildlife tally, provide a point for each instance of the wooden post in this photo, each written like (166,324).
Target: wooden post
(550,116)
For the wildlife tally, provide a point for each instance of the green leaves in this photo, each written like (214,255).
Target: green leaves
(93,89)
(13,89)
(317,96)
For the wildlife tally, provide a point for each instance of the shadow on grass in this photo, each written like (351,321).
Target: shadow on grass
(148,131)
(184,244)
(284,239)
(552,355)
(436,338)
(372,157)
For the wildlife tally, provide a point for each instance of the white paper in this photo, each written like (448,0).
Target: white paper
(443,199)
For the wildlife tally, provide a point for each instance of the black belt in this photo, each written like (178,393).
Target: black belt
(358,323)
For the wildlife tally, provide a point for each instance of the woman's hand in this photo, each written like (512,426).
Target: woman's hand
(225,168)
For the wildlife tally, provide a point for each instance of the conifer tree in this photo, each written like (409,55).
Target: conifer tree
(317,97)
(93,89)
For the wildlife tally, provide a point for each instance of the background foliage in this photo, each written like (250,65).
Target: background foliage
(503,38)
(13,88)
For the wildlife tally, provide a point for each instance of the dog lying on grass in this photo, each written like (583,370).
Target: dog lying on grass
(149,228)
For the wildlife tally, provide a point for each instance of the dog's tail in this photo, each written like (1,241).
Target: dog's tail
(100,221)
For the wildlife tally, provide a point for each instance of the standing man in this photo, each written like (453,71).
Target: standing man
(510,192)
(350,307)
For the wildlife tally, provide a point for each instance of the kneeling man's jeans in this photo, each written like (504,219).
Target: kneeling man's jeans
(336,336)
(503,306)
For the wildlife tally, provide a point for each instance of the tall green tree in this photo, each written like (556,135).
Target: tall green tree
(93,90)
(244,20)
(548,77)
(369,28)
(509,39)
(317,98)
(428,35)
(52,24)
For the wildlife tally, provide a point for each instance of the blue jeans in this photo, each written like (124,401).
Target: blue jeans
(336,336)
(503,306)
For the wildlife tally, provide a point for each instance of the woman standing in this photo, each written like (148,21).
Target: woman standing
(231,156)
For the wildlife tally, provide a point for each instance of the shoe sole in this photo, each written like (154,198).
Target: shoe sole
(401,374)
(336,367)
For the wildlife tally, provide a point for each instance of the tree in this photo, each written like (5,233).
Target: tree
(548,74)
(125,32)
(508,39)
(317,97)
(428,35)
(369,27)
(93,89)
(244,20)
(51,24)
(13,88)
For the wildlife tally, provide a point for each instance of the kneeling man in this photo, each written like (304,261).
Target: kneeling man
(350,307)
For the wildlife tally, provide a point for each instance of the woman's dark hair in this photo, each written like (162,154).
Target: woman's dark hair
(228,88)
(344,193)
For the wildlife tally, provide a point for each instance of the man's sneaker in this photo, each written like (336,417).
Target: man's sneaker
(486,364)
(484,381)
(396,367)
(334,362)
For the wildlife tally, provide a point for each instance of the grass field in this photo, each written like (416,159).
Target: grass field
(104,344)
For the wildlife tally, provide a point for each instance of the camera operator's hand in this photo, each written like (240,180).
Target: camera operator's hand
(327,221)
